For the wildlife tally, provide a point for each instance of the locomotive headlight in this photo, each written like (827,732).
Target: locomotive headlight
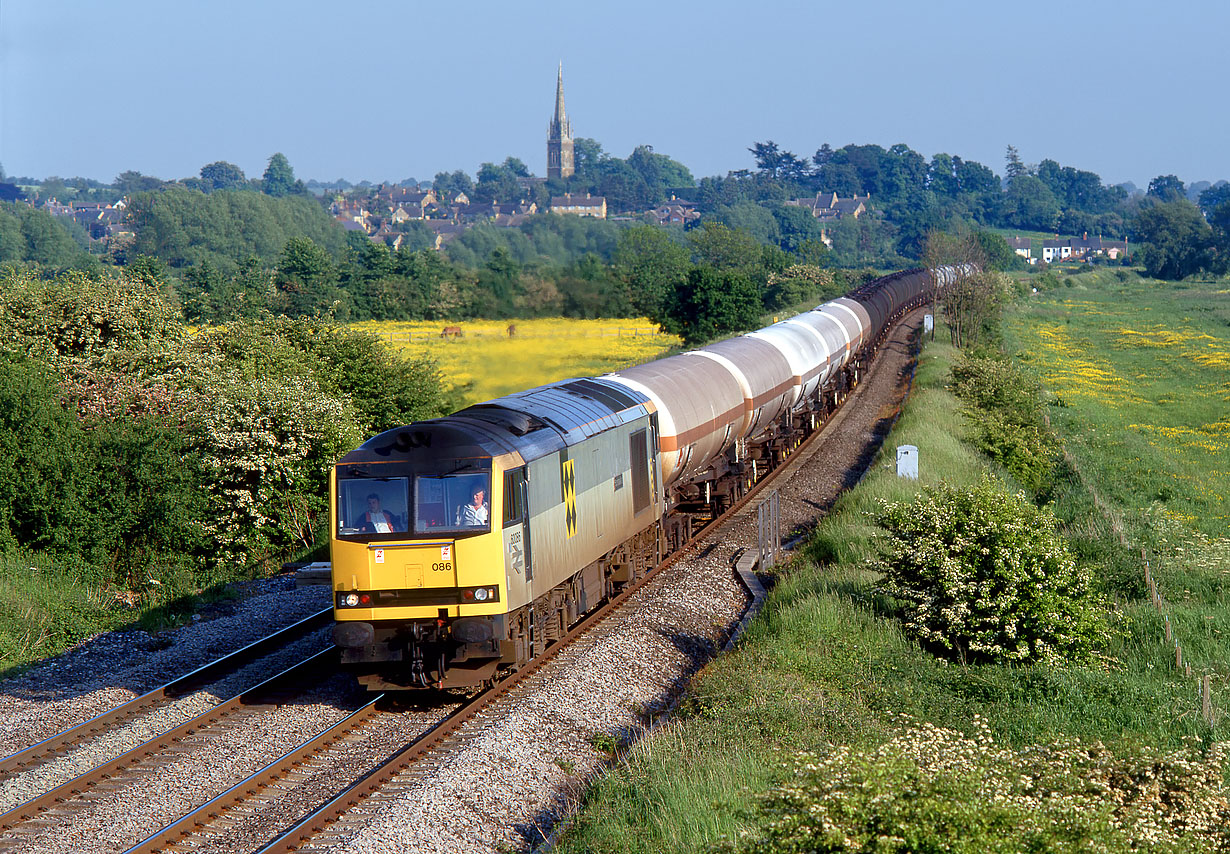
(350,599)
(481,594)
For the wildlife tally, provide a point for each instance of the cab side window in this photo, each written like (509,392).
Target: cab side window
(514,496)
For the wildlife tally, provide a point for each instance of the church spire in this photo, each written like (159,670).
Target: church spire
(561,120)
(559,135)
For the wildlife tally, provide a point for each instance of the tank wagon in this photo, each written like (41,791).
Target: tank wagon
(463,546)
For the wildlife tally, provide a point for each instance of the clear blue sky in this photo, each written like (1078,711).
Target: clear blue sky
(388,90)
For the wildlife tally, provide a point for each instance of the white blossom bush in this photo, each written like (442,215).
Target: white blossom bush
(930,789)
(984,576)
(266,446)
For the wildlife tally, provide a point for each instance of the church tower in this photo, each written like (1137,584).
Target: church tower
(559,136)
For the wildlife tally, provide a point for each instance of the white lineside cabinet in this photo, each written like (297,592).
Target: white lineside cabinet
(928,323)
(907,461)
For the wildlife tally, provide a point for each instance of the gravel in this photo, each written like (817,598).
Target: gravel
(114,667)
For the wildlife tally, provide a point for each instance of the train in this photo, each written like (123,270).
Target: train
(463,546)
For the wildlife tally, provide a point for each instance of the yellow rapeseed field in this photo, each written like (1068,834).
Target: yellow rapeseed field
(485,361)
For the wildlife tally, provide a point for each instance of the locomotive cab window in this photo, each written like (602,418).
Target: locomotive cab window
(372,506)
(454,503)
(514,509)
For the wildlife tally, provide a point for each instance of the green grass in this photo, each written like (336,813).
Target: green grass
(48,606)
(826,664)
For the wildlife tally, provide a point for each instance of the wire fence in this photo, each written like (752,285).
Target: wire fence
(451,333)
(1204,681)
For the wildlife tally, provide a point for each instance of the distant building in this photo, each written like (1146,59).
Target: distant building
(560,162)
(578,205)
(674,212)
(828,206)
(1021,246)
(1082,249)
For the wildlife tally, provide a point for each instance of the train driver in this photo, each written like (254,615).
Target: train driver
(376,520)
(476,512)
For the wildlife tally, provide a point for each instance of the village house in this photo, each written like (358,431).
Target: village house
(577,205)
(674,212)
(1082,249)
(828,206)
(1022,246)
(101,221)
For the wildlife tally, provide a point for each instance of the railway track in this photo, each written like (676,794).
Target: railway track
(40,805)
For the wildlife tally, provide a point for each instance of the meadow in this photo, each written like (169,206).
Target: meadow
(486,362)
(1138,376)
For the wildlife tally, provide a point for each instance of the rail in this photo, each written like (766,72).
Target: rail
(60,743)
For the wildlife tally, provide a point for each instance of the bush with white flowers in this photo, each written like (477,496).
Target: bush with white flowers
(983,576)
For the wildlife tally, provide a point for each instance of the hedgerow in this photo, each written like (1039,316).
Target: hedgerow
(1004,411)
(134,446)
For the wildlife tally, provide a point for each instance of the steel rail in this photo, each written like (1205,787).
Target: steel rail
(79,785)
(245,790)
(61,743)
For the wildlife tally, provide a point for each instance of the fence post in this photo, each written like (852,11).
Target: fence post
(768,530)
(1206,698)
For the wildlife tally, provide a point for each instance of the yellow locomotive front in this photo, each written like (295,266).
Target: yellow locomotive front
(418,555)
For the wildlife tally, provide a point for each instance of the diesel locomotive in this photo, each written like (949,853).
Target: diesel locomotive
(464,545)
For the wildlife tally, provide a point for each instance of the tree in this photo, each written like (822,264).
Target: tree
(1013,167)
(652,264)
(516,166)
(796,227)
(985,576)
(1030,204)
(221,175)
(130,182)
(305,279)
(279,178)
(586,155)
(1168,188)
(1215,196)
(497,184)
(712,303)
(1177,239)
(723,248)
(448,184)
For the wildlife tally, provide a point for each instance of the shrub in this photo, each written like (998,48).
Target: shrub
(933,789)
(984,575)
(1006,414)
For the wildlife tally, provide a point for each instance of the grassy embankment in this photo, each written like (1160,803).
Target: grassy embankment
(1141,368)
(487,362)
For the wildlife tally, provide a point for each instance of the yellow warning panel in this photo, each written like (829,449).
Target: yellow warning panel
(570,497)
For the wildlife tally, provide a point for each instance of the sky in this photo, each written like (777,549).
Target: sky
(382,90)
